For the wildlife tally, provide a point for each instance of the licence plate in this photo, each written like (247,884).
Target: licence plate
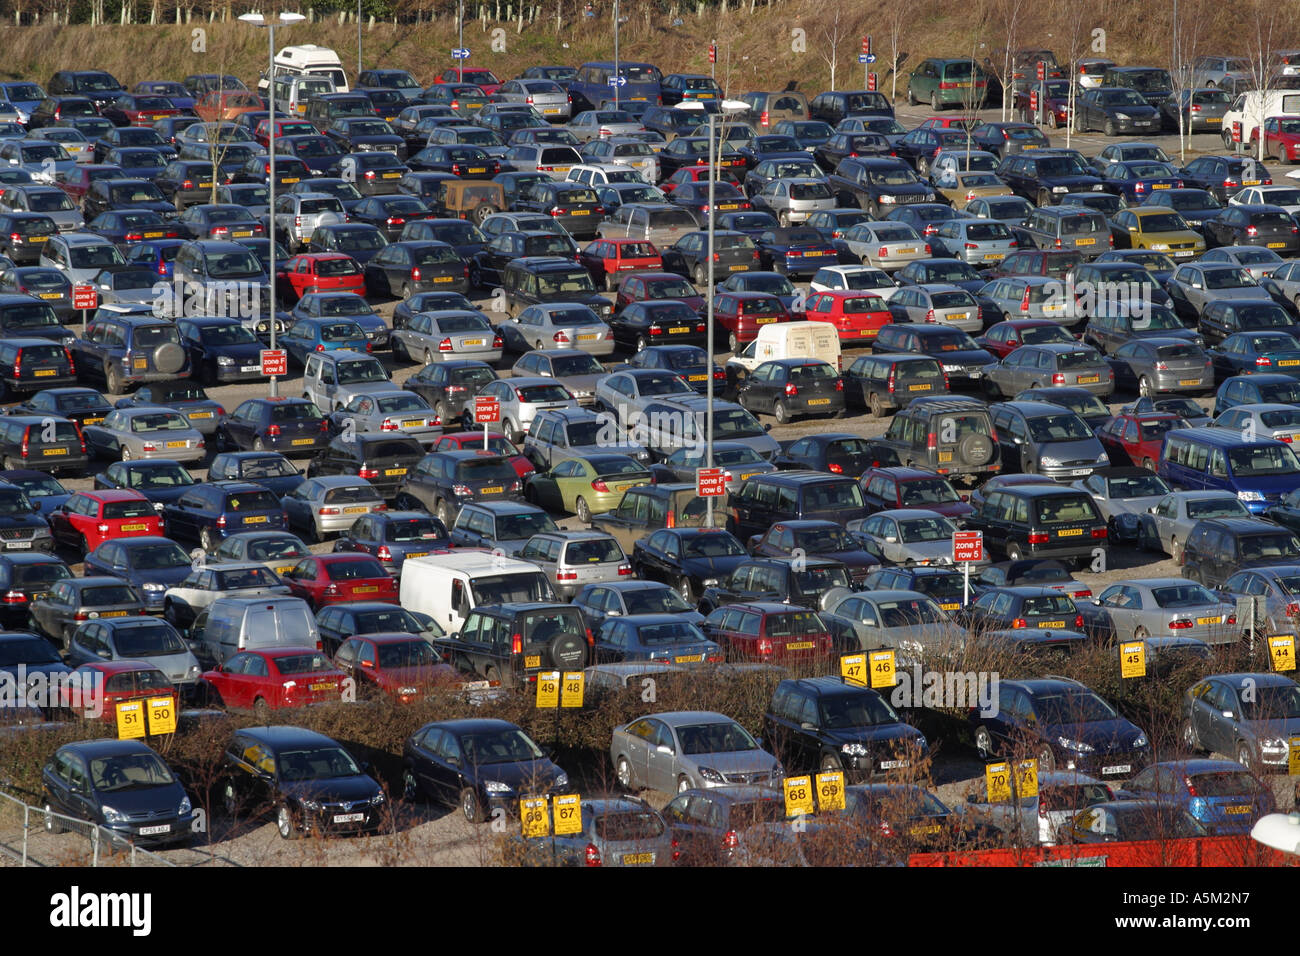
(745,476)
(242,233)
(1250,182)
(359,510)
(579,212)
(925,830)
(907,252)
(349,817)
(1070,533)
(1085,242)
(866,333)
(38,238)
(141,363)
(589,337)
(765,320)
(1059,624)
(444,278)
(696,378)
(256,519)
(950,607)
(154,831)
(1213,119)
(478,169)
(688,659)
(1289,362)
(550,109)
(994,255)
(284,569)
(1089,379)
(918,388)
(416,554)
(732,205)
(1236,809)
(681,330)
(178,444)
(56,451)
(469,342)
(112,613)
(394,471)
(19,545)
(392,176)
(153,235)
(533,660)
(135,527)
(945,456)
(1189,381)
(638,859)
(1209,620)
(200,414)
(366,589)
(959,317)
(893,764)
(1159,185)
(44,372)
(819,401)
(801,646)
(1277,245)
(205,185)
(737,268)
(250,368)
(325,686)
(1118,768)
(493,490)
(302,441)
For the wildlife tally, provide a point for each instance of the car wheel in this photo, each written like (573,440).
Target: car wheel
(515,435)
(10,464)
(259,445)
(623,770)
(262,711)
(1014,553)
(934,102)
(84,546)
(1145,389)
(911,97)
(428,357)
(1046,759)
(406,290)
(1110,129)
(113,380)
(1190,740)
(410,788)
(208,539)
(1028,465)
(229,800)
(1245,755)
(285,822)
(124,452)
(700,276)
(984,742)
(733,343)
(831,762)
(873,405)
(444,514)
(781,413)
(1051,119)
(783,218)
(584,510)
(52,825)
(1175,550)
(684,589)
(922,165)
(683,783)
(1044,197)
(1227,139)
(470,806)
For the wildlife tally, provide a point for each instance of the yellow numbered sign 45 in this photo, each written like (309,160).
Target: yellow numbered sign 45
(534,818)
(568,814)
(798,796)
(1133,659)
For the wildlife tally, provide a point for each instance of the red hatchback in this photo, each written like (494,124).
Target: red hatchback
(283,127)
(89,518)
(338,578)
(857,316)
(699,173)
(606,258)
(655,287)
(263,681)
(498,444)
(741,314)
(1136,439)
(320,272)
(96,689)
(884,489)
(769,632)
(403,666)
(1005,337)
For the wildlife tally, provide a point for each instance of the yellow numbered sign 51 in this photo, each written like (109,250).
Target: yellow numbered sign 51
(568,814)
(1027,778)
(548,689)
(853,669)
(1281,650)
(830,790)
(162,715)
(534,818)
(882,669)
(798,796)
(997,777)
(130,719)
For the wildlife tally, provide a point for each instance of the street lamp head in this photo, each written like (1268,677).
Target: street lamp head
(257,20)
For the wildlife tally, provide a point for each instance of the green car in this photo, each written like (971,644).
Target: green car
(586,486)
(947,83)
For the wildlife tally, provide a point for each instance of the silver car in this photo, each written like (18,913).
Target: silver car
(46,200)
(684,750)
(183,602)
(73,140)
(886,245)
(146,639)
(794,200)
(577,370)
(1172,519)
(145,432)
(277,550)
(1031,297)
(1194,286)
(1288,197)
(979,241)
(660,223)
(857,278)
(603,124)
(574,559)
(80,256)
(299,215)
(1262,420)
(739,463)
(553,159)
(545,96)
(1260,263)
(1160,365)
(1124,496)
(568,325)
(907,536)
(1009,210)
(1050,365)
(390,411)
(908,621)
(613,832)
(1169,607)
(447,335)
(330,504)
(48,162)
(938,303)
(520,399)
(626,392)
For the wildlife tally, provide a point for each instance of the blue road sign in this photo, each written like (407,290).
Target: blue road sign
(460,54)
(866,58)
(618,81)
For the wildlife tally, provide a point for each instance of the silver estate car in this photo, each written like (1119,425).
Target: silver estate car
(145,432)
(684,750)
(886,245)
(448,335)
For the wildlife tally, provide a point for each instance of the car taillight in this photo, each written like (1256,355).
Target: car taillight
(1058,378)
(1019,622)
(1252,231)
(187,184)
(931,441)
(324,426)
(445,345)
(1179,624)
(1293,609)
(719,375)
(1038,537)
(729,839)
(561,337)
(765,645)
(1099,533)
(18,363)
(15,597)
(1024,302)
(839,385)
(791,389)
(929,316)
(273,431)
(26,435)
(221,521)
(327,511)
(677,852)
(566,575)
(624,570)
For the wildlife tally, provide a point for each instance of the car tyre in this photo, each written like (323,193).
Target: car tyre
(229,799)
(874,407)
(733,343)
(262,711)
(700,276)
(444,513)
(410,788)
(52,825)
(286,823)
(984,742)
(1190,740)
(934,102)
(831,763)
(683,587)
(683,783)
(1046,759)
(1245,755)
(781,413)
(911,97)
(1110,128)
(584,510)
(623,771)
(471,806)
(1145,388)
(1014,553)
(1175,550)
(208,540)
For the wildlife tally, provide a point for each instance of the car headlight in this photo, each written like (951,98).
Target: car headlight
(1060,189)
(312,805)
(1078,746)
(185,807)
(496,786)
(643,455)
(1050,462)
(1139,741)
(113,816)
(709,774)
(377,799)
(407,691)
(562,780)
(225,360)
(150,586)
(711,582)
(1103,459)
(194,671)
(854,750)
(922,742)
(1250,496)
(1122,116)
(888,199)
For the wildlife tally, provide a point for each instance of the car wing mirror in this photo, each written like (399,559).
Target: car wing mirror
(665,749)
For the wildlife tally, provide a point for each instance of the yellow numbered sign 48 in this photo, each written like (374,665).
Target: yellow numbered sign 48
(130,719)
(571,689)
(1027,778)
(568,814)
(882,669)
(997,777)
(1133,659)
(548,689)
(1281,650)
(853,669)
(830,790)
(798,796)
(534,818)
(162,715)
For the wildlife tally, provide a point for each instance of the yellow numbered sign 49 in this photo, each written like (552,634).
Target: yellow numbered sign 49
(830,790)
(548,689)
(130,719)
(1281,650)
(1293,758)
(1027,778)
(798,796)
(571,689)
(568,814)
(534,818)
(882,669)
(162,715)
(1133,659)
(853,669)
(997,777)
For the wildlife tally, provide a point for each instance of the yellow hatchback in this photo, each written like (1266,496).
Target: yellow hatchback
(1159,229)
(587,486)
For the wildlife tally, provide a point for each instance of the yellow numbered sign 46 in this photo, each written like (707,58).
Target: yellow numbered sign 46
(1133,659)
(162,715)
(568,814)
(830,790)
(548,689)
(1281,650)
(997,777)
(534,818)
(798,796)
(882,669)
(1027,778)
(130,719)
(853,669)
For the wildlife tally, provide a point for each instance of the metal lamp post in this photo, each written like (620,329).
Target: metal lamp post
(358,40)
(616,89)
(257,20)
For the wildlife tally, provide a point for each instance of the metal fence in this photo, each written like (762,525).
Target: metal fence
(100,838)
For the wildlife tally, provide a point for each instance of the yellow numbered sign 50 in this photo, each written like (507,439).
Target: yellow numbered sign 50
(162,715)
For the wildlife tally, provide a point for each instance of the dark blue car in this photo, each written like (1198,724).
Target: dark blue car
(221,350)
(394,536)
(152,564)
(795,251)
(22,577)
(155,254)
(161,480)
(43,490)
(218,508)
(1222,795)
(1136,179)
(667,638)
(269,469)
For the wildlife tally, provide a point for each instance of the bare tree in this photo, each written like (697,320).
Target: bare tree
(1008,14)
(1189,22)
(895,17)
(1260,22)
(831,33)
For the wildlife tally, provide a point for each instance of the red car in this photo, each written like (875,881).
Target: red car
(1005,337)
(783,633)
(96,689)
(606,258)
(884,489)
(700,173)
(401,665)
(657,286)
(139,109)
(283,127)
(1131,439)
(78,182)
(485,80)
(263,681)
(89,518)
(320,272)
(857,316)
(948,122)
(498,444)
(338,578)
(741,314)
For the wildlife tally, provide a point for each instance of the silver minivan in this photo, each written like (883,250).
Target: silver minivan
(230,625)
(574,559)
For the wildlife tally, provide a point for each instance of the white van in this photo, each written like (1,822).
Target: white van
(1251,108)
(292,92)
(308,58)
(814,340)
(448,586)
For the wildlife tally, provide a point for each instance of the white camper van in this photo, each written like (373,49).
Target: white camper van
(308,58)
(448,586)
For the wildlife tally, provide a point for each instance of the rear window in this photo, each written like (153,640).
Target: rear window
(1065,510)
(109,594)
(355,570)
(252,501)
(128,509)
(794,624)
(1047,605)
(1081,225)
(350,494)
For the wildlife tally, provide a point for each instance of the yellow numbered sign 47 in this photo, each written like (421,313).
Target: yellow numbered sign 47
(1027,778)
(882,669)
(1133,659)
(162,715)
(830,790)
(853,669)
(1281,650)
(534,818)
(130,719)
(798,796)
(997,777)
(548,689)
(568,814)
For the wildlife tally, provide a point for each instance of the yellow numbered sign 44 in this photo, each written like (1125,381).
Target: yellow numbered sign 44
(1281,650)
(997,778)
(130,719)
(798,796)
(548,690)
(1027,778)
(568,814)
(162,715)
(882,669)
(534,818)
(1133,659)
(853,669)
(830,790)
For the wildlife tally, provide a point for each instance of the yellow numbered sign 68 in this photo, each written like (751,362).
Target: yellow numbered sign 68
(1281,650)
(534,818)
(1133,659)
(882,669)
(997,777)
(853,669)
(130,719)
(568,814)
(1027,778)
(548,689)
(798,796)
(162,715)
(830,790)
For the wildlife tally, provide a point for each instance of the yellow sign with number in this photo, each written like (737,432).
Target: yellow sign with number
(548,689)
(798,796)
(1027,778)
(882,669)
(997,777)
(830,790)
(568,814)
(571,689)
(1133,659)
(853,668)
(1293,758)
(162,715)
(130,719)
(534,817)
(1282,651)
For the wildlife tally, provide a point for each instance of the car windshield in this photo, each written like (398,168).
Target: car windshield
(1228,279)
(1258,460)
(676,632)
(917,530)
(502,746)
(928,491)
(841,711)
(909,613)
(1075,707)
(819,579)
(710,544)
(129,772)
(27,650)
(658,600)
(355,372)
(318,763)
(158,557)
(713,738)
(1136,486)
(151,639)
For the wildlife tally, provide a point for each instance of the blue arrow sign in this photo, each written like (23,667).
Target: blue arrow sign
(461,54)
(618,81)
(866,58)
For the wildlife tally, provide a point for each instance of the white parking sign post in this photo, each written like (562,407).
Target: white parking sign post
(967,547)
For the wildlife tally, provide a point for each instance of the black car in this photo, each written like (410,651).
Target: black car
(384,460)
(356,133)
(337,622)
(109,195)
(642,323)
(1224,176)
(404,268)
(450,387)
(550,636)
(689,361)
(800,494)
(483,766)
(359,240)
(307,780)
(151,564)
(488,264)
(733,252)
(796,251)
(1041,521)
(430,302)
(1217,548)
(1269,226)
(797,581)
(469,162)
(161,480)
(1043,176)
(786,388)
(85,406)
(816,538)
(394,536)
(29,441)
(441,482)
(1025,606)
(24,577)
(24,234)
(221,350)
(294,426)
(877,184)
(1225,318)
(945,271)
(30,364)
(271,470)
(1115,110)
(688,559)
(390,214)
(962,359)
(460,234)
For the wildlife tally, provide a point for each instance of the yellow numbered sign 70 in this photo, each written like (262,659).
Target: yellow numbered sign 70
(882,669)
(534,817)
(997,777)
(568,814)
(130,719)
(798,796)
(548,689)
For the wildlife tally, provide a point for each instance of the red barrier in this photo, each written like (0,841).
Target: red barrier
(1202,851)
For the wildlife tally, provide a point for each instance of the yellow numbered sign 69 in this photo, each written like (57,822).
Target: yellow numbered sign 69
(568,814)
(997,777)
(162,715)
(798,796)
(571,689)
(830,790)
(532,814)
(882,669)
(548,689)
(1282,651)
(1027,778)
(1293,758)
(130,719)
(1133,659)
(853,669)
